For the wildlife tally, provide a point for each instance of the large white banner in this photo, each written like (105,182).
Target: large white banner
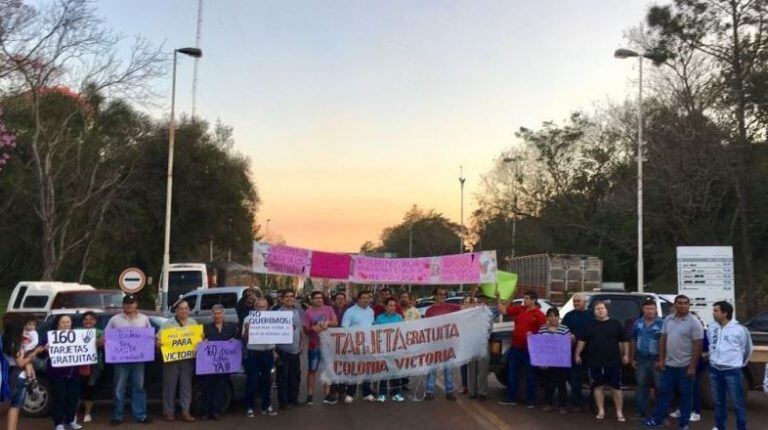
(72,347)
(403,349)
(270,327)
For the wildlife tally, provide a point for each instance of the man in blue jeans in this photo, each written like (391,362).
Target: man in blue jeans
(129,372)
(528,319)
(441,308)
(679,352)
(644,348)
(730,347)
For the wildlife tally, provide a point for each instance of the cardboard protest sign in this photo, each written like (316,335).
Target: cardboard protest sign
(180,343)
(72,347)
(507,284)
(548,350)
(270,327)
(129,345)
(216,357)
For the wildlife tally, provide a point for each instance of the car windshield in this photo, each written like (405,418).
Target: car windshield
(106,300)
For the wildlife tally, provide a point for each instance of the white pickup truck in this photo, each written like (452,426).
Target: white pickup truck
(35,299)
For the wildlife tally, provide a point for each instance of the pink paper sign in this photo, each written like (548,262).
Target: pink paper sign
(288,260)
(391,270)
(330,265)
(460,268)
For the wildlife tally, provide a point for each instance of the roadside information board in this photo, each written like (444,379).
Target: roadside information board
(705,274)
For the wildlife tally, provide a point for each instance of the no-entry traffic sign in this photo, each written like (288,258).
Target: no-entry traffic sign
(132,280)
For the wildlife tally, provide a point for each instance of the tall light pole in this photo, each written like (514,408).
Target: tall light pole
(462,179)
(410,248)
(195,53)
(513,188)
(266,238)
(656,57)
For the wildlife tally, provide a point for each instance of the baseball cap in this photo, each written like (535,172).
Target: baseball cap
(129,299)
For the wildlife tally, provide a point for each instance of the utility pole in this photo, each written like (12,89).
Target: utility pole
(198,38)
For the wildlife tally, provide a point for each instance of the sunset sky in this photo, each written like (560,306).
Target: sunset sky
(352,111)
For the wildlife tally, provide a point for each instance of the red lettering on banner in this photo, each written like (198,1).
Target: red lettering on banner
(359,343)
(337,341)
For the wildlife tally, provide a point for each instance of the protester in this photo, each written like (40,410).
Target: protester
(575,320)
(288,366)
(528,319)
(259,361)
(730,346)
(30,341)
(701,371)
(214,387)
(390,316)
(679,352)
(18,360)
(359,315)
(129,373)
(437,309)
(65,385)
(316,319)
(178,374)
(384,295)
(90,374)
(245,305)
(339,391)
(410,313)
(477,375)
(644,350)
(554,377)
(607,347)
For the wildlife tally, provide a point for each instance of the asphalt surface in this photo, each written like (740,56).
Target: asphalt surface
(438,414)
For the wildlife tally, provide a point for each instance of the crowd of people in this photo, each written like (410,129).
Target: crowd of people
(669,357)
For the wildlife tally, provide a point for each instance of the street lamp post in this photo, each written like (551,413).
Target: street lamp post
(513,188)
(462,179)
(266,237)
(195,53)
(656,57)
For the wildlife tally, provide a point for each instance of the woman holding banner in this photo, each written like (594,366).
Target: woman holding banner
(65,385)
(554,377)
(215,385)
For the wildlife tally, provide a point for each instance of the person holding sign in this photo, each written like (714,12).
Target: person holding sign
(179,373)
(288,364)
(554,377)
(214,386)
(315,320)
(390,316)
(441,308)
(359,315)
(89,374)
(129,372)
(607,346)
(65,380)
(18,360)
(258,369)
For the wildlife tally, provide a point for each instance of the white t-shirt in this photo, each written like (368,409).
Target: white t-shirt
(29,340)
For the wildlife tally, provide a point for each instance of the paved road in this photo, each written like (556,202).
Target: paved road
(439,414)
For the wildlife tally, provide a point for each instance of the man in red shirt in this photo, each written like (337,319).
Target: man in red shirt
(441,308)
(528,319)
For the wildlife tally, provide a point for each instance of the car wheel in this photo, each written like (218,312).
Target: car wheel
(38,402)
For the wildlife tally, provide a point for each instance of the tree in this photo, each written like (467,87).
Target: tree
(732,33)
(46,51)
(430,232)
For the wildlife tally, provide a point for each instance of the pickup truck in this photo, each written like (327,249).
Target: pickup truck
(627,307)
(32,299)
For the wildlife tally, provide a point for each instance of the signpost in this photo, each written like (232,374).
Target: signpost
(132,280)
(705,274)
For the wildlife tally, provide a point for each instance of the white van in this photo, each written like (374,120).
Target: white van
(34,299)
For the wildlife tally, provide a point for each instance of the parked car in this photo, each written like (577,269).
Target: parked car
(38,402)
(202,301)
